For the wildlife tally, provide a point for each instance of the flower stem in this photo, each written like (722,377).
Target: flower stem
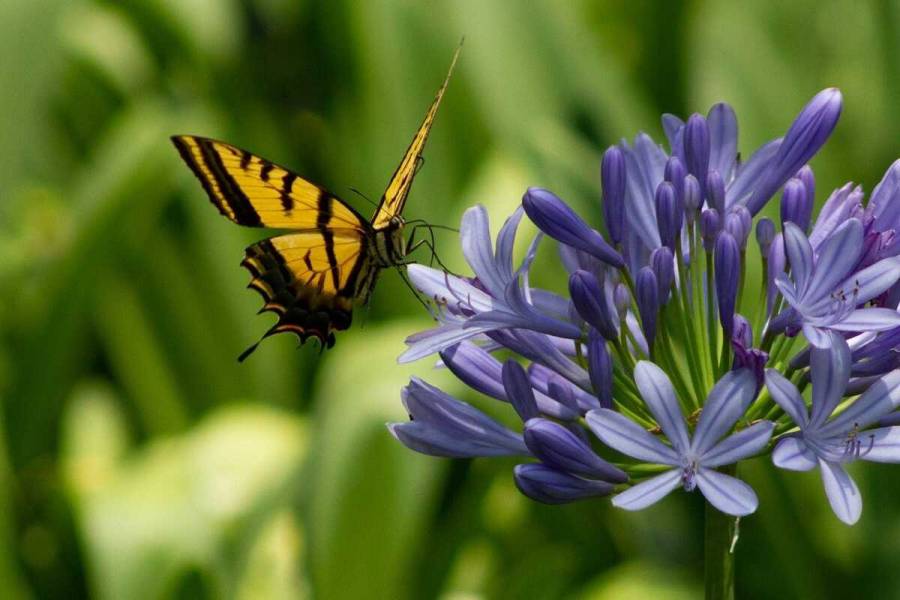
(719,559)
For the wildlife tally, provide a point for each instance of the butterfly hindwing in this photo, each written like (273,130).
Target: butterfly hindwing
(312,279)
(256,192)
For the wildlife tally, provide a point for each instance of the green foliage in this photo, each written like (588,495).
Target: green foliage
(139,460)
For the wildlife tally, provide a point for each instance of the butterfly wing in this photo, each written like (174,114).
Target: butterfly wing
(398,188)
(311,280)
(255,192)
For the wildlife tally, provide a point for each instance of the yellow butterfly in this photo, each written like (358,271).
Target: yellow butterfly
(311,278)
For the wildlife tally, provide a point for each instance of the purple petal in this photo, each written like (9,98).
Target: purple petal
(837,256)
(787,397)
(475,367)
(881,445)
(672,127)
(643,175)
(871,281)
(624,435)
(793,454)
(448,290)
(885,200)
(648,492)
(738,446)
(647,296)
(869,319)
(837,209)
(818,337)
(561,449)
(505,243)
(600,369)
(881,398)
(728,494)
(434,340)
(723,134)
(659,396)
(725,404)
(594,304)
(475,237)
(543,484)
(749,174)
(800,257)
(830,373)
(843,495)
(540,348)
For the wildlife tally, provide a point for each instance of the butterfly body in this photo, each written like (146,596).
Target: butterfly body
(312,277)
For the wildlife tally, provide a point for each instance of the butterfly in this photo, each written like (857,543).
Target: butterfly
(313,276)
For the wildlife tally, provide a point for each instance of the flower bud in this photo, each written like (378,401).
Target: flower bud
(663,264)
(550,486)
(715,191)
(622,299)
(559,448)
(692,196)
(765,233)
(794,207)
(518,390)
(556,219)
(647,291)
(675,173)
(696,147)
(612,181)
(590,299)
(600,369)
(728,269)
(669,214)
(710,225)
(807,134)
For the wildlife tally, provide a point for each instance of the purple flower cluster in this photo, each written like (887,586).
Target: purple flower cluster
(649,375)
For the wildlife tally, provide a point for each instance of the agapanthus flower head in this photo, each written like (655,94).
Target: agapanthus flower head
(664,365)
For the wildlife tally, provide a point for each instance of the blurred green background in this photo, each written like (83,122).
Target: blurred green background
(138,459)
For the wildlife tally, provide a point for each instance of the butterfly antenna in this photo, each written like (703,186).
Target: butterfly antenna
(248,352)
(364,197)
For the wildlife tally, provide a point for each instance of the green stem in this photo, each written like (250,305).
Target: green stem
(718,539)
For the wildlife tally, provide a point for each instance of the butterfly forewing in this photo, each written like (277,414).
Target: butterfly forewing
(255,192)
(394,197)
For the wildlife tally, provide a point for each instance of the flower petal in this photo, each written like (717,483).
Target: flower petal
(869,319)
(843,495)
(787,397)
(434,340)
(447,289)
(885,200)
(624,435)
(838,255)
(723,134)
(475,237)
(727,401)
(750,173)
(729,494)
(800,257)
(505,243)
(818,337)
(738,446)
(880,445)
(830,373)
(881,398)
(659,395)
(648,492)
(793,454)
